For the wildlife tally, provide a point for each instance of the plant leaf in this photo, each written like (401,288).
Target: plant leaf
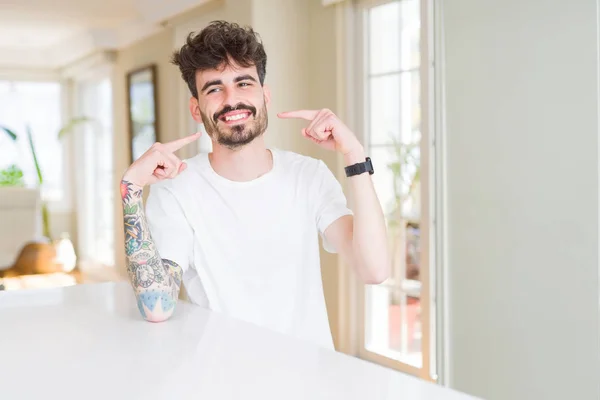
(9,132)
(35,159)
(72,124)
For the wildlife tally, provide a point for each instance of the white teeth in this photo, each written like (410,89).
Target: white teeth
(235,117)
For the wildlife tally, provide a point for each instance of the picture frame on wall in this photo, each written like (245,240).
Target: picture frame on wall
(142,105)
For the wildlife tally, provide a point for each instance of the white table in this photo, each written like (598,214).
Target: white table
(89,342)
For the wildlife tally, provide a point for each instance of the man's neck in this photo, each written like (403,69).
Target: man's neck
(241,165)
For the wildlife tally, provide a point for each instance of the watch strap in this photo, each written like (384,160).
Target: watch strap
(360,168)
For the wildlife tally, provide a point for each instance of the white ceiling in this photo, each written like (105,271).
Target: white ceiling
(53,33)
(40,23)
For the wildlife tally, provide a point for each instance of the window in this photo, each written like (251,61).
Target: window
(96,197)
(395,316)
(37,105)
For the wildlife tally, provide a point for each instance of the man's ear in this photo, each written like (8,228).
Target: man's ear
(267,93)
(195,110)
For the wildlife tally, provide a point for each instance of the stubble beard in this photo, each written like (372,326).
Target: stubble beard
(237,136)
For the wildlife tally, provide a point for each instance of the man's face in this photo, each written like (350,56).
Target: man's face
(232,105)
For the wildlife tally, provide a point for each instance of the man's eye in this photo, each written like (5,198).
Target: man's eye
(244,84)
(212,90)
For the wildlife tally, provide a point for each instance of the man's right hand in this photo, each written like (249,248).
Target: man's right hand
(158,163)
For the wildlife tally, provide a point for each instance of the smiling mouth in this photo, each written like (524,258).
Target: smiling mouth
(235,117)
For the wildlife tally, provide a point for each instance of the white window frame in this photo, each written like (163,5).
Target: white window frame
(354,296)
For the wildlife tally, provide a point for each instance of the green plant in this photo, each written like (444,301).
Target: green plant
(11,176)
(67,128)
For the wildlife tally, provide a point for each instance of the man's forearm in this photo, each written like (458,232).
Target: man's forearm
(156,282)
(370,242)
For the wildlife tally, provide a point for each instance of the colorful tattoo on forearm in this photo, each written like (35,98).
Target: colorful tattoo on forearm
(155,281)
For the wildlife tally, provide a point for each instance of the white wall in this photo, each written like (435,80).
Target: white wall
(284,27)
(522,170)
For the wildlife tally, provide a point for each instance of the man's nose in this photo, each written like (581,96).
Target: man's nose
(231,97)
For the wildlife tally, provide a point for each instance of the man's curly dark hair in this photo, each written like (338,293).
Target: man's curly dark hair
(220,43)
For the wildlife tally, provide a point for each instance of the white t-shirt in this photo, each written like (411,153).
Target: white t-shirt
(251,249)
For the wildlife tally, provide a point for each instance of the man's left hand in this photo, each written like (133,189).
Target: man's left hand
(327,130)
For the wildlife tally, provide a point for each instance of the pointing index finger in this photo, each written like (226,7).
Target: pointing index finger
(179,143)
(308,115)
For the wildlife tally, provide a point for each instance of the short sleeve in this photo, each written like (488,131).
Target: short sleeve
(170,230)
(331,202)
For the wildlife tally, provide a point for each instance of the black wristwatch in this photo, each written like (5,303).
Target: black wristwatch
(360,168)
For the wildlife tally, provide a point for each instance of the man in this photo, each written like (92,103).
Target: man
(240,226)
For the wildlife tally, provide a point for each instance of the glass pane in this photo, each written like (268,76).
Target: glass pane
(397,180)
(384,178)
(394,108)
(410,34)
(410,109)
(384,109)
(394,324)
(384,38)
(394,37)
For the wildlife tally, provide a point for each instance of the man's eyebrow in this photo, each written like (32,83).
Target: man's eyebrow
(244,78)
(211,83)
(220,82)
